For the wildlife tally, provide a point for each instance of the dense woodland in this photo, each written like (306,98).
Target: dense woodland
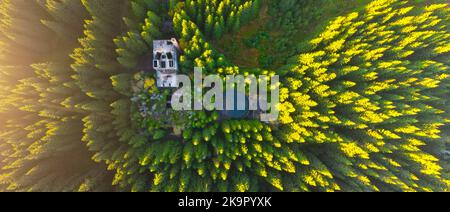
(364,96)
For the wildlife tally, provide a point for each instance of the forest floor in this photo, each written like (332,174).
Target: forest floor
(233,45)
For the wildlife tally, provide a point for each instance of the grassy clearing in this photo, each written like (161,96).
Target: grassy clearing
(232,44)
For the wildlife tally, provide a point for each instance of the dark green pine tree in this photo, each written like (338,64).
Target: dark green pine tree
(217,30)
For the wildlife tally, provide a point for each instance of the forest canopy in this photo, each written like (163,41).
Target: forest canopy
(364,96)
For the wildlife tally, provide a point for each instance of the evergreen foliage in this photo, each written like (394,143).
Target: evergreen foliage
(41,105)
(364,105)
